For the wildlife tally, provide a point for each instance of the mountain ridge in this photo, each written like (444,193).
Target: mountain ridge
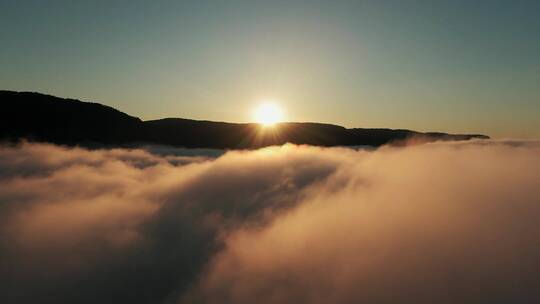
(41,117)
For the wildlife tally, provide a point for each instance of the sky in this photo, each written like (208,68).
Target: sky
(451,66)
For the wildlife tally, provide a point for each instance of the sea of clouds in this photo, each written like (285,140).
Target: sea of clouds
(433,223)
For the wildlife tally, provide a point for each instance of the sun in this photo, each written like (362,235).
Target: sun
(268,114)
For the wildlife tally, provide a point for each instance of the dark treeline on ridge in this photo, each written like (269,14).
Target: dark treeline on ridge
(39,117)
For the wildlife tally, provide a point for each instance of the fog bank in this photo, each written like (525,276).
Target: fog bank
(440,222)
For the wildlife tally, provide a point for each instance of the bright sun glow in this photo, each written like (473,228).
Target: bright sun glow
(268,114)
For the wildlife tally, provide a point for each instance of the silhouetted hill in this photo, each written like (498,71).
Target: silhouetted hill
(42,117)
(48,118)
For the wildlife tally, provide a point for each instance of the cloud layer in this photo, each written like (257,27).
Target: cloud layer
(442,222)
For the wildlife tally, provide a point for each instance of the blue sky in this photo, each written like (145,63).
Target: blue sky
(454,66)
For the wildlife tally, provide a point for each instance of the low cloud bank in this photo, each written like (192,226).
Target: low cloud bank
(434,223)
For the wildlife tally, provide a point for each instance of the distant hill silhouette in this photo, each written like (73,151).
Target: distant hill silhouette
(40,117)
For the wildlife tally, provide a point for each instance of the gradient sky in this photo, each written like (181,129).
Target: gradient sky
(454,66)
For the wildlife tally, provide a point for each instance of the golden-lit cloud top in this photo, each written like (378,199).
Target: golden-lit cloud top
(442,222)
